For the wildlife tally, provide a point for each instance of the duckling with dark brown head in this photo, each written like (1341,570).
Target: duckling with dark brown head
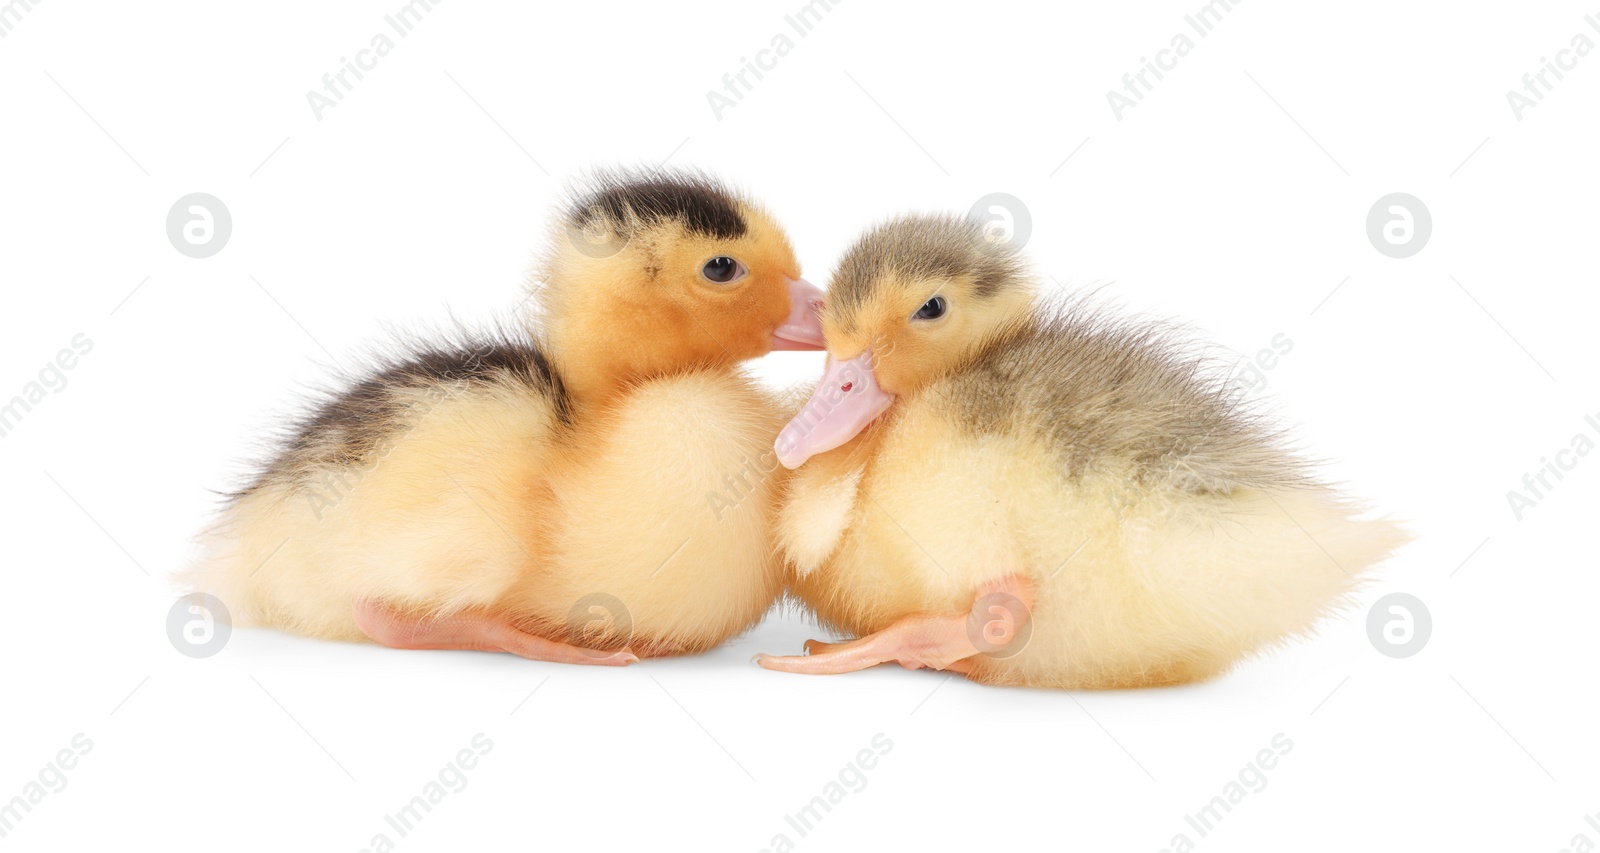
(547,494)
(1042,496)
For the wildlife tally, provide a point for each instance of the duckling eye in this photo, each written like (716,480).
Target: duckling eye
(723,270)
(933,309)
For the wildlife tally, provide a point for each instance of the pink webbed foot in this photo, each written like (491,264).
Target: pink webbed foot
(998,618)
(472,631)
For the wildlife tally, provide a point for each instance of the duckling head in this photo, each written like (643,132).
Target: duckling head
(653,273)
(909,302)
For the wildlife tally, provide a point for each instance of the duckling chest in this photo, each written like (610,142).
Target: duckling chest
(680,466)
(927,516)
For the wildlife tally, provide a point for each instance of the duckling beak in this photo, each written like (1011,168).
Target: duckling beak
(847,399)
(803,329)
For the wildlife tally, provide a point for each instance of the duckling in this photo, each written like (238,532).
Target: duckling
(1043,496)
(559,495)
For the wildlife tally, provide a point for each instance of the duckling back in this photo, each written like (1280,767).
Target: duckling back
(1111,394)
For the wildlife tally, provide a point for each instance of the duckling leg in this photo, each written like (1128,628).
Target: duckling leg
(817,647)
(479,632)
(998,618)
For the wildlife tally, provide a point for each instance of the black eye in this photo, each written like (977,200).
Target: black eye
(933,309)
(723,269)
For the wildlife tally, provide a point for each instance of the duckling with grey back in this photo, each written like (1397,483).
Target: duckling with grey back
(1041,495)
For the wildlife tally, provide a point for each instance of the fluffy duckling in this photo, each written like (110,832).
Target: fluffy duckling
(1038,496)
(565,497)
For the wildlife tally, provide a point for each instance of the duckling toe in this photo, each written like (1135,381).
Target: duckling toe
(817,647)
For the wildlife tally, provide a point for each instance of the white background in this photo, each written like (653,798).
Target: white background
(1234,197)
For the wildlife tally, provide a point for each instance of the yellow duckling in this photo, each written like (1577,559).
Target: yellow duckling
(548,496)
(1037,496)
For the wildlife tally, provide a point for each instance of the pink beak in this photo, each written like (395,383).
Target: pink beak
(803,328)
(846,400)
